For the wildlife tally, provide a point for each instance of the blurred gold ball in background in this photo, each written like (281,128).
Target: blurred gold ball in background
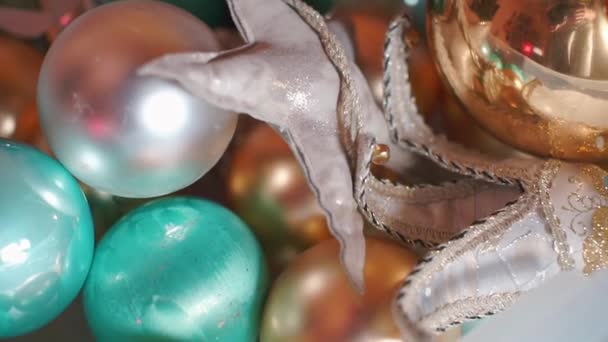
(268,190)
(313,300)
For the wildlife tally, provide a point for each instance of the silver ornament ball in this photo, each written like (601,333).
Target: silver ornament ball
(118,132)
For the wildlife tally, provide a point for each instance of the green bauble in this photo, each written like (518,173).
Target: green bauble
(177,269)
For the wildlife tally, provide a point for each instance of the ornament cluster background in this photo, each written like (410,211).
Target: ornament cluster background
(283,279)
(258,177)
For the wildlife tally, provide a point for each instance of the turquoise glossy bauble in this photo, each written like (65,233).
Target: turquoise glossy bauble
(46,239)
(177,269)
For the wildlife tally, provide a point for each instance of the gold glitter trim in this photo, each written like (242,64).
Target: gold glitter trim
(598,177)
(595,246)
(561,245)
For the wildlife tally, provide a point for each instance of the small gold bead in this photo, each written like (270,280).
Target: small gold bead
(381,154)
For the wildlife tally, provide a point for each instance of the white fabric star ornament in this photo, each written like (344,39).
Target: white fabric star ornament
(282,76)
(294,74)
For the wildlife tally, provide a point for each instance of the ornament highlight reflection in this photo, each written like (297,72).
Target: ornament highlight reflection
(176,269)
(534,74)
(120,133)
(46,239)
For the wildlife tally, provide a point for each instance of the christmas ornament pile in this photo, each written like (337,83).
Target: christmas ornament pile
(145,106)
(538,223)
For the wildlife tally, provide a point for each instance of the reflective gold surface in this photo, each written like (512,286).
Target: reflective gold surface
(533,73)
(460,127)
(269,191)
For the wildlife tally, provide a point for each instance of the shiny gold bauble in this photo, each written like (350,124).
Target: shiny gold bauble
(19,68)
(532,73)
(464,130)
(313,300)
(269,191)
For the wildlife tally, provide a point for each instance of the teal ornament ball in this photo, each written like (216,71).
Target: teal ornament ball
(177,269)
(46,239)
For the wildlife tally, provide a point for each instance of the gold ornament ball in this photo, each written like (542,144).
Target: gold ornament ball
(463,129)
(532,73)
(313,300)
(268,189)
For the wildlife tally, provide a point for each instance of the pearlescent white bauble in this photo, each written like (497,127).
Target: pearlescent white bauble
(124,134)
